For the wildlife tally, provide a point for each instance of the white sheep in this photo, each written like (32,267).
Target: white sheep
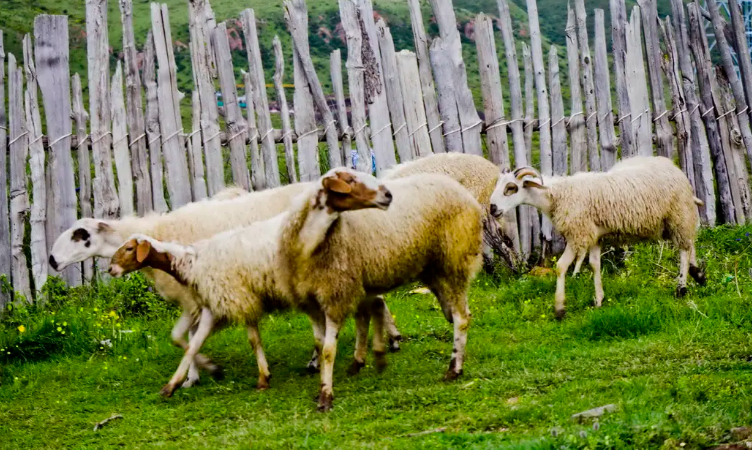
(641,197)
(431,232)
(89,238)
(233,275)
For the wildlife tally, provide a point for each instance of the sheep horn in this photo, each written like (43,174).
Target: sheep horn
(525,171)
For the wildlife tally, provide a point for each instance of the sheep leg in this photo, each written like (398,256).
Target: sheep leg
(461,321)
(595,264)
(561,271)
(328,354)
(395,337)
(694,269)
(318,323)
(379,313)
(362,322)
(254,338)
(183,325)
(205,326)
(681,287)
(578,264)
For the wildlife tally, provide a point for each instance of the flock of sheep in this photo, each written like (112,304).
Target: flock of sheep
(332,248)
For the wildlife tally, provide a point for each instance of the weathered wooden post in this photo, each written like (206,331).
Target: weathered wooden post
(305,124)
(577,116)
(445,87)
(5,257)
(415,114)
(257,159)
(586,72)
(637,86)
(735,157)
(120,144)
(81,117)
(558,127)
(619,41)
(603,94)
(153,129)
(529,119)
(335,67)
(393,91)
(284,110)
(745,64)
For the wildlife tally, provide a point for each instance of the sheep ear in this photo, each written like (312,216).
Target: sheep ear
(142,251)
(103,227)
(337,185)
(527,184)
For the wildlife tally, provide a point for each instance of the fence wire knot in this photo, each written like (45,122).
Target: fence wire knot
(472,126)
(94,141)
(83,141)
(399,129)
(558,122)
(708,111)
(172,135)
(329,125)
(137,139)
(621,119)
(634,119)
(452,132)
(381,129)
(36,139)
(441,122)
(156,138)
(678,113)
(660,116)
(359,130)
(591,116)
(315,130)
(59,139)
(267,134)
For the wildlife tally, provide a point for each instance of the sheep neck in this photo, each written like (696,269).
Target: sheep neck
(172,259)
(120,231)
(541,199)
(309,224)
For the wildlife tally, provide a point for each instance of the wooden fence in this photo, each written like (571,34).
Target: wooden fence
(403,105)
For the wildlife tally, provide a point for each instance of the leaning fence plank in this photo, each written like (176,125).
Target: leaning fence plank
(284,110)
(81,117)
(236,124)
(603,94)
(619,42)
(176,164)
(120,144)
(415,114)
(706,85)
(257,159)
(558,127)
(38,217)
(638,88)
(736,156)
(586,72)
(745,64)
(469,120)
(106,203)
(426,77)
(445,87)
(202,60)
(664,138)
(577,130)
(19,197)
(335,66)
(153,129)
(135,117)
(680,114)
(529,101)
(393,91)
(724,103)
(356,82)
(195,153)
(296,15)
(737,87)
(305,124)
(704,188)
(5,256)
(260,100)
(493,100)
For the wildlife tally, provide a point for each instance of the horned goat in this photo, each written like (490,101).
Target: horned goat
(639,198)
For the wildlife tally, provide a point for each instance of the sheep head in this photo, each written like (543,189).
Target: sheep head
(522,186)
(85,239)
(136,254)
(344,189)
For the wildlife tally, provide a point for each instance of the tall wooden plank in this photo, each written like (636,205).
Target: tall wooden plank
(415,114)
(356,81)
(577,131)
(5,256)
(664,138)
(393,91)
(445,86)
(106,204)
(135,113)
(175,161)
(378,110)
(257,159)
(335,67)
(704,188)
(745,64)
(81,117)
(202,60)
(736,161)
(305,124)
(493,100)
(728,127)
(195,152)
(529,101)
(586,72)
(296,15)
(284,110)
(430,102)
(638,88)
(558,127)
(619,43)
(236,124)
(120,144)
(737,88)
(19,197)
(38,218)
(153,129)
(680,116)
(699,45)
(603,94)
(260,100)
(450,37)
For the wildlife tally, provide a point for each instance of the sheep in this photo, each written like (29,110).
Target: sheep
(641,197)
(233,275)
(199,220)
(431,232)
(479,176)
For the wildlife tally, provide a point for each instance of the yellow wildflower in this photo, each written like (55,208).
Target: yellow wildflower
(22,329)
(113,314)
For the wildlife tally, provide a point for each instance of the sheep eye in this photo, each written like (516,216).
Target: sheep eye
(510,189)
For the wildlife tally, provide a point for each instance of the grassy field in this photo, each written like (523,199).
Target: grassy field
(678,371)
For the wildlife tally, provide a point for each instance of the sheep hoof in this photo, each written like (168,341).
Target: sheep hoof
(698,274)
(380,360)
(560,313)
(217,372)
(681,291)
(452,373)
(168,390)
(325,401)
(263,384)
(355,367)
(312,368)
(394,343)
(189,383)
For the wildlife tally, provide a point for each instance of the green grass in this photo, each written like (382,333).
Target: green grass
(678,370)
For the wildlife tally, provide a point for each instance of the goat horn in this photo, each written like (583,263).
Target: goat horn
(525,171)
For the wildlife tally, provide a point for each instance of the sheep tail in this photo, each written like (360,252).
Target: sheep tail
(698,202)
